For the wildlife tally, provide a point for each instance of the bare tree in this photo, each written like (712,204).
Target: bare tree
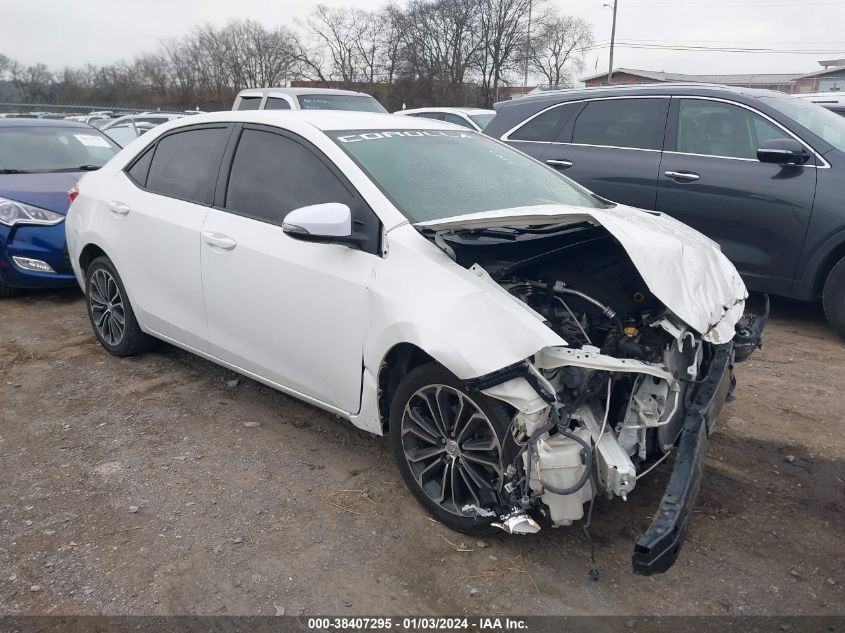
(557,48)
(32,82)
(5,63)
(503,28)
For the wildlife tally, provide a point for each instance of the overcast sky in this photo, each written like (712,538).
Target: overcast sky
(60,33)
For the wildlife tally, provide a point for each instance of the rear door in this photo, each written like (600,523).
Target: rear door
(612,147)
(158,211)
(710,178)
(288,311)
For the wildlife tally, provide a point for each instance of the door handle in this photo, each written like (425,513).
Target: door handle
(686,176)
(559,164)
(118,208)
(219,240)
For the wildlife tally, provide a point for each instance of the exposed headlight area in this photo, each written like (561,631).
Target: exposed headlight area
(12,213)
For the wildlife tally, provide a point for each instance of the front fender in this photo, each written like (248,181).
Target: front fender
(466,324)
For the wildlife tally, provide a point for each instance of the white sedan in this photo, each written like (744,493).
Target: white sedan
(526,344)
(475,119)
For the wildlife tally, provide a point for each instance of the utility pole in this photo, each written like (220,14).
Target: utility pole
(527,49)
(612,41)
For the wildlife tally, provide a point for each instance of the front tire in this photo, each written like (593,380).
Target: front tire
(110,312)
(833,297)
(7,291)
(451,446)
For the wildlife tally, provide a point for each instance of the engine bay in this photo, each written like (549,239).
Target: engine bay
(615,396)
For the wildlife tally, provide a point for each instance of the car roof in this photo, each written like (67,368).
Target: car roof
(665,88)
(43,123)
(324,120)
(447,109)
(260,92)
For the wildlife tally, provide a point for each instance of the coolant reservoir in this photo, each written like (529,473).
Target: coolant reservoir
(559,461)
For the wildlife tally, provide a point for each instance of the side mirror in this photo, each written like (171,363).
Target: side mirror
(783,151)
(329,222)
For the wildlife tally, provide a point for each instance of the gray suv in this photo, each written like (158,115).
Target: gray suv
(760,172)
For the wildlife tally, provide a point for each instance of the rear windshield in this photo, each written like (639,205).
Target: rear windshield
(357,103)
(49,149)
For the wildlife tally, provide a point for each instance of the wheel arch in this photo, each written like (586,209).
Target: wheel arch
(88,254)
(832,258)
(396,364)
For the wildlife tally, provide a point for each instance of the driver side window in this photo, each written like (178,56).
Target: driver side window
(714,128)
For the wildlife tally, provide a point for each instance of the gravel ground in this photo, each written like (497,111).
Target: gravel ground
(163,484)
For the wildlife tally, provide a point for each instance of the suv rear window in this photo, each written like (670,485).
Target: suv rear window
(185,164)
(628,123)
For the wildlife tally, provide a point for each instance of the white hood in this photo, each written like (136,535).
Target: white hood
(681,267)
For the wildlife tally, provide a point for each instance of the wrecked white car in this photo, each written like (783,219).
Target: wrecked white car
(526,344)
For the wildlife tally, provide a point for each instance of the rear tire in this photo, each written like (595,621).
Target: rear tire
(110,312)
(451,446)
(833,298)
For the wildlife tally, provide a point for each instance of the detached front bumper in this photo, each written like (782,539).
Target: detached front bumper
(657,550)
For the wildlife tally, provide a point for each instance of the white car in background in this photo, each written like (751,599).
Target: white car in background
(305,99)
(473,118)
(526,344)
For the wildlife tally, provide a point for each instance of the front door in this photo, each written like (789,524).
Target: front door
(288,311)
(712,180)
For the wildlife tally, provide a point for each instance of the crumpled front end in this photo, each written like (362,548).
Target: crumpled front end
(647,366)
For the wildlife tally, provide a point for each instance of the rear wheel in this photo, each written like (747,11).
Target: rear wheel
(451,446)
(833,297)
(110,312)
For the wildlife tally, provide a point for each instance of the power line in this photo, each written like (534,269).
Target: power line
(683,47)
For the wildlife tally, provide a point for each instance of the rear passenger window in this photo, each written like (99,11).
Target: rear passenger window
(185,164)
(276,103)
(634,123)
(273,175)
(138,171)
(249,103)
(545,127)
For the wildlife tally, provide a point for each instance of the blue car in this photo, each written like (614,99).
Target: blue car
(40,161)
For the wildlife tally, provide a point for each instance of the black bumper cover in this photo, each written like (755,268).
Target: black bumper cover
(657,550)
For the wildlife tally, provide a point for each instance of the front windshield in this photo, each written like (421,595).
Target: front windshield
(481,120)
(40,149)
(820,121)
(438,174)
(356,103)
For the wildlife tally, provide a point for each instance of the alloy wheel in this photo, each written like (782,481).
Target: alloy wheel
(452,449)
(107,311)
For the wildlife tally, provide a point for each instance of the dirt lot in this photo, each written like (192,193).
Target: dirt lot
(158,485)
